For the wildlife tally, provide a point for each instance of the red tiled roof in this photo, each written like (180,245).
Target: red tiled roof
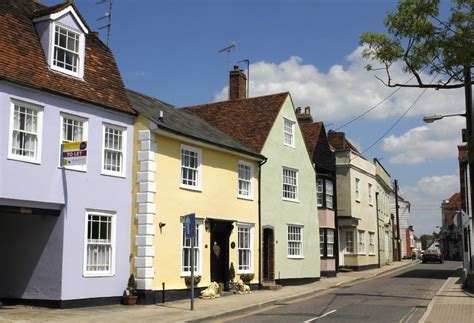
(454,202)
(23,61)
(247,120)
(311,133)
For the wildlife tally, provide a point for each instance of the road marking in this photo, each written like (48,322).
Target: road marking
(318,317)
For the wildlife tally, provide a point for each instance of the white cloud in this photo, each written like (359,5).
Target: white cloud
(345,92)
(433,141)
(426,197)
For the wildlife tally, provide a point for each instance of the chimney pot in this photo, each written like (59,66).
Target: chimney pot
(307,110)
(298,110)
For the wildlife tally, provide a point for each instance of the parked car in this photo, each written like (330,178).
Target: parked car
(432,256)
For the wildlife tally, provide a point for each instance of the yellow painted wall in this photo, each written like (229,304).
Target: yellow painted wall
(217,200)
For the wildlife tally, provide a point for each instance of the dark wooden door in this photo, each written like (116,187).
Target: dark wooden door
(268,255)
(220,253)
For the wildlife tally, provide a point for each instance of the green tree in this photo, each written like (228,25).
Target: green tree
(421,40)
(425,238)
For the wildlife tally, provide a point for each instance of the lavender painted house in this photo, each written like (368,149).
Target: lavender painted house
(64,231)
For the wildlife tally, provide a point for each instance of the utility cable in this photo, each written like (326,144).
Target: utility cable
(372,108)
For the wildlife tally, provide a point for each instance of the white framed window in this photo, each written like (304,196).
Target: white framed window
(289,129)
(329,242)
(361,242)
(372,243)
(99,251)
(329,194)
(25,131)
(245,248)
(190,167)
(245,181)
(67,50)
(320,191)
(321,242)
(371,197)
(290,184)
(349,241)
(114,147)
(295,241)
(186,250)
(357,189)
(73,129)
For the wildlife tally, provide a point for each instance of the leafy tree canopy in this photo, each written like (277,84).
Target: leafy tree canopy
(422,41)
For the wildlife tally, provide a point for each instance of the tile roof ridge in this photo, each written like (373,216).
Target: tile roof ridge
(151,98)
(236,100)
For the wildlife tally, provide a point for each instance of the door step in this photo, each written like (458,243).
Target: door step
(270,286)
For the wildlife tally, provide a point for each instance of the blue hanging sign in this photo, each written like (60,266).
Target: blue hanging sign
(190,225)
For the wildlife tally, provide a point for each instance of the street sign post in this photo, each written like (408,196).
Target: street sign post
(190,233)
(74,153)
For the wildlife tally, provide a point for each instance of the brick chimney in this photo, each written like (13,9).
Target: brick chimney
(304,117)
(237,84)
(337,140)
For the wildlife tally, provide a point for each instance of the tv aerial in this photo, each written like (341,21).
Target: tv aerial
(107,15)
(229,49)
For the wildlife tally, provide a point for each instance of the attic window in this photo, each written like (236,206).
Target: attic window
(66,53)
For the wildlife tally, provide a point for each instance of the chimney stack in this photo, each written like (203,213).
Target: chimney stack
(305,117)
(237,84)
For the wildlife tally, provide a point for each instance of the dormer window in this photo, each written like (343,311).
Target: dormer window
(66,53)
(63,35)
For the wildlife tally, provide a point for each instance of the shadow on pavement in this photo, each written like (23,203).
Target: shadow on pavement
(427,273)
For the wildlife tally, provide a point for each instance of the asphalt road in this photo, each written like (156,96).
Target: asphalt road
(400,296)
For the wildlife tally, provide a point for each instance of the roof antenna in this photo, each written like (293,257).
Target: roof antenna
(108,15)
(229,49)
(247,61)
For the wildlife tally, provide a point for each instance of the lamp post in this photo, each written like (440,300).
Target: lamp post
(436,117)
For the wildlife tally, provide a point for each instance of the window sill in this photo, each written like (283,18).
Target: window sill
(291,146)
(97,275)
(190,188)
(188,274)
(66,71)
(372,254)
(371,204)
(113,175)
(295,257)
(358,201)
(242,197)
(290,200)
(24,160)
(245,272)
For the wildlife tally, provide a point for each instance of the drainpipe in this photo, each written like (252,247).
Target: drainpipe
(378,225)
(260,164)
(336,222)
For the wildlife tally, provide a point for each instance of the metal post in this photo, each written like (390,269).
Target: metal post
(192,272)
(399,243)
(469,130)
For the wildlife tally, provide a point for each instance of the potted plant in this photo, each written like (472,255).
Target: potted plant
(247,278)
(187,280)
(129,294)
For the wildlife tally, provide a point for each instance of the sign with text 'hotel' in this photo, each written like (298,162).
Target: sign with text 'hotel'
(74,153)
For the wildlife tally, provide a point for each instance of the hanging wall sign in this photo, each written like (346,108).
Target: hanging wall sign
(74,153)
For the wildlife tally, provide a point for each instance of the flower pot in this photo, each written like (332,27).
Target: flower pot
(129,300)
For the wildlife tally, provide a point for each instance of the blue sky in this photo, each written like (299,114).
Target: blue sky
(169,49)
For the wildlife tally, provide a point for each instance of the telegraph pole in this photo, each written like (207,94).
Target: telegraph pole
(470,137)
(399,247)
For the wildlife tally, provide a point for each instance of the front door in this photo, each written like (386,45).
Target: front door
(220,232)
(268,255)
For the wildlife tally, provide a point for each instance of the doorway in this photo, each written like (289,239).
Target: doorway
(268,255)
(220,232)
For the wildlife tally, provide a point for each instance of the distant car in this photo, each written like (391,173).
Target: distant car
(432,256)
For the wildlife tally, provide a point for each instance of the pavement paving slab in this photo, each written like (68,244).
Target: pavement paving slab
(179,311)
(450,304)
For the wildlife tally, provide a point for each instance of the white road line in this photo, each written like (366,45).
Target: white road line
(318,317)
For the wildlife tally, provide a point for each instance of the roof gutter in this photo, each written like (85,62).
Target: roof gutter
(260,164)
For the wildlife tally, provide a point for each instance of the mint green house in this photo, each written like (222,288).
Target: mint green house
(288,207)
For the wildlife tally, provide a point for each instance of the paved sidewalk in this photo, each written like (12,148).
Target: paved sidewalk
(451,304)
(178,311)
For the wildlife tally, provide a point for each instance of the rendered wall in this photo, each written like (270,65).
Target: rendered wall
(75,190)
(279,213)
(217,200)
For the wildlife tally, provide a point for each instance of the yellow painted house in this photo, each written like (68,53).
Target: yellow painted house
(182,165)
